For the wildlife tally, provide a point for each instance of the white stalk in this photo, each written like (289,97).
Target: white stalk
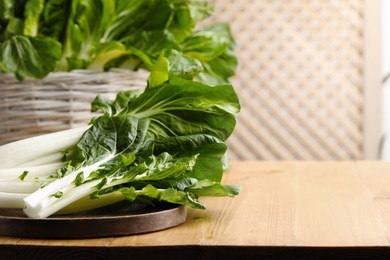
(43,171)
(47,159)
(19,186)
(42,197)
(74,195)
(58,203)
(12,200)
(29,149)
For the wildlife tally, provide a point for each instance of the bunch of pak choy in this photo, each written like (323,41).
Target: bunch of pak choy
(42,36)
(163,144)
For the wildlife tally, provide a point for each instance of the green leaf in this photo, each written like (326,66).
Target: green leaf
(32,13)
(120,103)
(200,10)
(186,15)
(210,164)
(164,166)
(206,187)
(105,52)
(219,70)
(210,151)
(6,10)
(172,22)
(129,193)
(87,22)
(100,103)
(29,56)
(171,64)
(207,44)
(183,107)
(151,195)
(180,197)
(160,72)
(150,192)
(14,27)
(133,17)
(54,18)
(214,46)
(180,183)
(153,42)
(110,136)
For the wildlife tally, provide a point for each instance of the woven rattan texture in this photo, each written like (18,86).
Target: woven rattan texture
(300,78)
(60,101)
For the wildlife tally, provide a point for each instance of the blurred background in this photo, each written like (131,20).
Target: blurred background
(310,78)
(385,14)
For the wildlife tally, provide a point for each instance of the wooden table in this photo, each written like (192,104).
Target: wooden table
(287,210)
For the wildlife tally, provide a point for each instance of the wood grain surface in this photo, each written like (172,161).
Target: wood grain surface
(287,210)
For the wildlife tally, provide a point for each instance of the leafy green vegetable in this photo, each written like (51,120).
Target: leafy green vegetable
(102,34)
(29,56)
(214,47)
(173,64)
(7,10)
(174,113)
(163,144)
(32,13)
(53,18)
(157,146)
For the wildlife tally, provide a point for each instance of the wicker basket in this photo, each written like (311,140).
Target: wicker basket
(60,101)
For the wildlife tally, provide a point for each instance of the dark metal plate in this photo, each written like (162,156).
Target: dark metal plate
(109,221)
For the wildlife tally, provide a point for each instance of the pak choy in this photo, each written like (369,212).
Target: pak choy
(162,144)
